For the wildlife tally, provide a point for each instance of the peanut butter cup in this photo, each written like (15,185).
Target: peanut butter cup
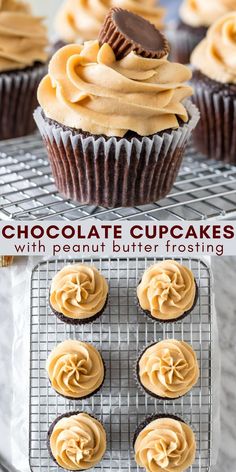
(125,32)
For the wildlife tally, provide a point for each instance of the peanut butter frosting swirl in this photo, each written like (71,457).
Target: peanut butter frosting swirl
(167,445)
(168,369)
(82,19)
(215,55)
(86,88)
(78,291)
(205,12)
(167,290)
(78,442)
(75,369)
(23,37)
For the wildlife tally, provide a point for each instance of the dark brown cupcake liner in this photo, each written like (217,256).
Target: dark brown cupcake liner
(53,424)
(86,396)
(73,321)
(143,388)
(151,418)
(215,135)
(18,99)
(112,172)
(174,320)
(183,40)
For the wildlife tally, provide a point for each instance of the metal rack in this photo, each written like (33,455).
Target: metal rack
(204,189)
(119,334)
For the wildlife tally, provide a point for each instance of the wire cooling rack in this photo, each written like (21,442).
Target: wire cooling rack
(204,189)
(119,334)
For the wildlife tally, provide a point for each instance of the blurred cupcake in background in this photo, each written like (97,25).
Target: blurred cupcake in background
(23,42)
(195,18)
(214,81)
(79,20)
(114,115)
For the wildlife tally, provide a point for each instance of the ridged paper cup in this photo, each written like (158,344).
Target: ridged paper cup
(215,135)
(113,172)
(18,99)
(182,43)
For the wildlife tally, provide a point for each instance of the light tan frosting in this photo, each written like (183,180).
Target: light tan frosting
(78,442)
(167,290)
(215,56)
(165,445)
(82,19)
(169,369)
(75,369)
(23,37)
(78,291)
(205,12)
(86,88)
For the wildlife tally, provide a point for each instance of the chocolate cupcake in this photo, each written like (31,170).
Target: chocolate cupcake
(23,40)
(166,443)
(76,22)
(75,369)
(167,291)
(168,369)
(195,18)
(214,81)
(76,441)
(113,115)
(78,294)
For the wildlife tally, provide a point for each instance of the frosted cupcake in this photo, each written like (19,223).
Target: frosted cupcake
(195,18)
(164,443)
(75,369)
(167,291)
(113,115)
(78,294)
(23,42)
(214,81)
(168,369)
(78,21)
(76,441)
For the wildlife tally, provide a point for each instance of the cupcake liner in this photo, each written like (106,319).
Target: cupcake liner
(18,99)
(53,424)
(74,321)
(215,135)
(6,261)
(151,418)
(149,316)
(114,171)
(182,43)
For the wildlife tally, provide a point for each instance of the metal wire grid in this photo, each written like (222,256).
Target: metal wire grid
(119,335)
(204,189)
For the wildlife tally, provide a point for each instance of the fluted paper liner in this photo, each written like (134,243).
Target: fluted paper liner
(114,171)
(182,44)
(215,135)
(18,99)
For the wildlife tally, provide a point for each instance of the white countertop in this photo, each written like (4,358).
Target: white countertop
(224,270)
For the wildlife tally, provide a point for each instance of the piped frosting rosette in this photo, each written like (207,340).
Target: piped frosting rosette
(203,13)
(78,292)
(215,55)
(168,369)
(167,290)
(75,369)
(77,441)
(166,445)
(82,19)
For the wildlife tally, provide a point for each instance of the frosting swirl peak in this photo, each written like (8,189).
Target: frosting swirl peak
(168,369)
(165,444)
(75,369)
(78,291)
(23,37)
(82,19)
(215,55)
(87,88)
(203,13)
(78,442)
(167,290)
